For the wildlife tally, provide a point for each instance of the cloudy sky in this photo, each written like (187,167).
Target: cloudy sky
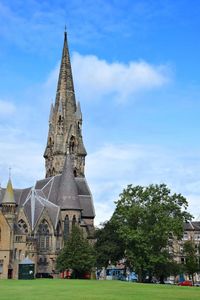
(137,75)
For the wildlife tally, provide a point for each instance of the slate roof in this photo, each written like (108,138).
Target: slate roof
(34,206)
(26,261)
(67,191)
(191,226)
(61,192)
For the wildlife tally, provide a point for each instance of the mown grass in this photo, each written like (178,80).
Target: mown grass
(47,289)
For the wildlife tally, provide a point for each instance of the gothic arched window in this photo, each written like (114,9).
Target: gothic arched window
(58,229)
(74,220)
(43,235)
(23,226)
(58,234)
(72,145)
(66,227)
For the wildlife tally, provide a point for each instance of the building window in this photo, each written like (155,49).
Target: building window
(66,227)
(197,236)
(42,261)
(74,220)
(18,238)
(58,234)
(23,226)
(15,253)
(1,266)
(43,235)
(182,260)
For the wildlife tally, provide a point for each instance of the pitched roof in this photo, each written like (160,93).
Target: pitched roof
(68,192)
(34,206)
(54,193)
(26,261)
(9,194)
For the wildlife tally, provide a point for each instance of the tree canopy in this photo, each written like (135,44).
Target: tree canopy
(144,221)
(78,254)
(109,247)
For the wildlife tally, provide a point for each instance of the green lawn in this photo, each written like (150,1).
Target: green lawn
(57,289)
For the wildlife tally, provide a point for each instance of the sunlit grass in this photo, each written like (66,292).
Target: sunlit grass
(48,289)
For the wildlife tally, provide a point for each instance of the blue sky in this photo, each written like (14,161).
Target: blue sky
(136,74)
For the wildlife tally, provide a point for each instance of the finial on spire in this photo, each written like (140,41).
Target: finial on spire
(65,32)
(10,172)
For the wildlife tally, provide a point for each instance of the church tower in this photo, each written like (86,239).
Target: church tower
(65,121)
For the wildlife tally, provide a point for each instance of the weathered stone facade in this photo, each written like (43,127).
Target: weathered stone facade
(191,232)
(65,121)
(35,221)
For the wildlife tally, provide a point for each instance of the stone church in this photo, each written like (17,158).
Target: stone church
(35,221)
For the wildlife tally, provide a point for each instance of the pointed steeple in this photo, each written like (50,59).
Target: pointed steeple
(8,204)
(9,194)
(68,192)
(65,124)
(65,88)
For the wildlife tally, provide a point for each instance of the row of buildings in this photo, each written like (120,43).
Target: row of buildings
(35,221)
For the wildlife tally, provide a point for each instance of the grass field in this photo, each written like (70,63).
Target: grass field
(47,289)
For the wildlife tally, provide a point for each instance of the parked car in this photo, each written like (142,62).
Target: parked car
(197,284)
(169,281)
(185,283)
(44,275)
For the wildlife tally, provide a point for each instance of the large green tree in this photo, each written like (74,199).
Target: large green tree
(109,247)
(146,219)
(78,254)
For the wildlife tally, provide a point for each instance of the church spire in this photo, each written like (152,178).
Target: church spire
(65,87)
(65,124)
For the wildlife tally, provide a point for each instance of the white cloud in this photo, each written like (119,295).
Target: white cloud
(114,166)
(49,86)
(96,78)
(6,108)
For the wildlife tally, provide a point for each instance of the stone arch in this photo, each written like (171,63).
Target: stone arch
(43,235)
(74,220)
(66,227)
(58,229)
(58,235)
(72,143)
